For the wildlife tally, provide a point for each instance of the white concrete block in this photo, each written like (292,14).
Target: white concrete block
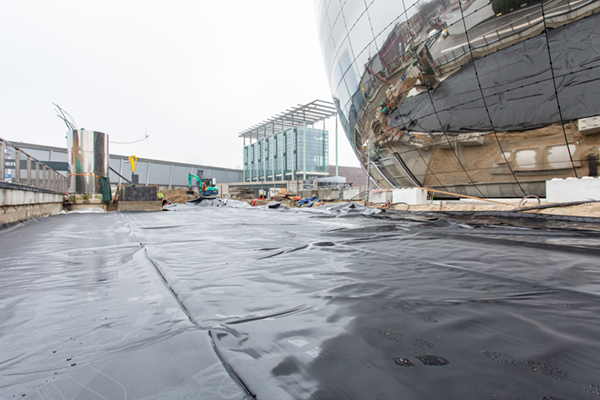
(589,126)
(380,196)
(468,139)
(409,196)
(328,194)
(350,193)
(573,189)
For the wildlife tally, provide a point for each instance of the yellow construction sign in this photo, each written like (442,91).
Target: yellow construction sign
(132,161)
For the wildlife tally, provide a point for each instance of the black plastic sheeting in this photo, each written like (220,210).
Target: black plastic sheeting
(517,84)
(330,303)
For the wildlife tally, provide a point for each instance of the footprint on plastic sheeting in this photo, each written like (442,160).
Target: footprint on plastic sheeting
(403,362)
(466,285)
(548,370)
(552,398)
(423,343)
(391,335)
(593,389)
(324,244)
(499,357)
(413,312)
(430,359)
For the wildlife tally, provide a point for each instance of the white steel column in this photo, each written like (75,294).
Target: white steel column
(336,145)
(294,153)
(148,174)
(170,174)
(283,151)
(304,150)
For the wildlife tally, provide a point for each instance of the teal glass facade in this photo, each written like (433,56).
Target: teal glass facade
(297,153)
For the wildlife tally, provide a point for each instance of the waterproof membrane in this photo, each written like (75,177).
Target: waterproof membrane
(337,303)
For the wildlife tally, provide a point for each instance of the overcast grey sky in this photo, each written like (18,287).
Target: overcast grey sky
(191,74)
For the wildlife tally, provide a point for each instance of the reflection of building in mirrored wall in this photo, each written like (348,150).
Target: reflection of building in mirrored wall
(288,146)
(355,176)
(478,98)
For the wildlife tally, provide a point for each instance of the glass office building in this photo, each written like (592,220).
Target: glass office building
(289,146)
(482,98)
(298,153)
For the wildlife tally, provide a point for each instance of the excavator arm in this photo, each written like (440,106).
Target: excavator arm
(191,181)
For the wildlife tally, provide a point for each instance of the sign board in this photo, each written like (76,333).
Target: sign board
(7,176)
(10,164)
(133,162)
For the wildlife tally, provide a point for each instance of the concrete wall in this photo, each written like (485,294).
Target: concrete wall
(18,205)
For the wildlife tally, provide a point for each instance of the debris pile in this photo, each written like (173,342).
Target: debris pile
(178,196)
(241,193)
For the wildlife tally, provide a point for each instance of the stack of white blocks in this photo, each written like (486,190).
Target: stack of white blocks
(573,189)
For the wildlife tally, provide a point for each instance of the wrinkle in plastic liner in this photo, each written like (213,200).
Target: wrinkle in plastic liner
(326,303)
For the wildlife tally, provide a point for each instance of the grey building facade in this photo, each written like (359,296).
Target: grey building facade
(150,171)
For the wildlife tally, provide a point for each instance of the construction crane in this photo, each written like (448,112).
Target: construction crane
(206,187)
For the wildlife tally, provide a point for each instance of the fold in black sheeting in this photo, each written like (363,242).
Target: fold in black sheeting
(329,303)
(517,84)
(507,218)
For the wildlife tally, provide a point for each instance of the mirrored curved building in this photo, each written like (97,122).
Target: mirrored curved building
(481,98)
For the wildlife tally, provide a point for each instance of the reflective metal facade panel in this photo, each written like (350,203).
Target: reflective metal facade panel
(471,97)
(88,160)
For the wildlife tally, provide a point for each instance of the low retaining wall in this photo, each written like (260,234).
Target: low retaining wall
(322,194)
(20,204)
(139,205)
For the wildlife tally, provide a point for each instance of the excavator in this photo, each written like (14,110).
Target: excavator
(206,187)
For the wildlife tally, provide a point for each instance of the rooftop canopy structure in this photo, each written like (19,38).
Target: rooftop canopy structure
(302,115)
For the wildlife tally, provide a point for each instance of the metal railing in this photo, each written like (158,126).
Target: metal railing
(19,168)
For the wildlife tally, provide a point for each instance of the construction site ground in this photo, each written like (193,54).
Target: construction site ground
(179,196)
